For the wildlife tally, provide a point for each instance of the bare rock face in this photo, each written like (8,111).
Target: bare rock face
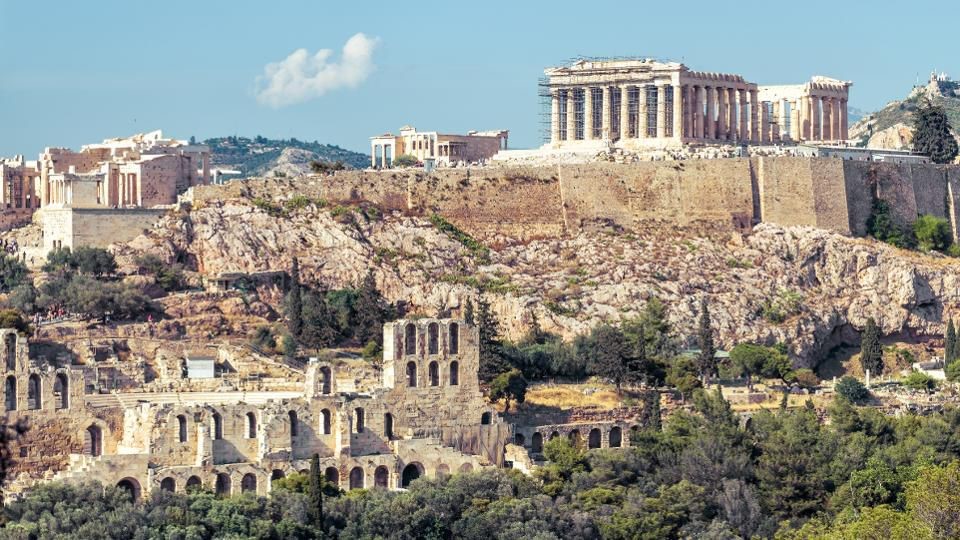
(896,137)
(808,288)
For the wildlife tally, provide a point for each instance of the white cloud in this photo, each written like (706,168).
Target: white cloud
(301,77)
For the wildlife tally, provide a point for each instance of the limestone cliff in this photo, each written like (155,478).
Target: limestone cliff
(892,126)
(809,288)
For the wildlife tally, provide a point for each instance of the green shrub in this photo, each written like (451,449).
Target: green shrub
(851,390)
(405,160)
(932,233)
(479,250)
(917,380)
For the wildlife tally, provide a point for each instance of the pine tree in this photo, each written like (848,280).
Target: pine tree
(650,417)
(295,302)
(371,310)
(933,135)
(492,362)
(706,361)
(319,327)
(950,344)
(316,490)
(871,352)
(609,354)
(468,312)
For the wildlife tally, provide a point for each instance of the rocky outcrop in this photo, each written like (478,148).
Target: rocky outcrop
(896,137)
(808,288)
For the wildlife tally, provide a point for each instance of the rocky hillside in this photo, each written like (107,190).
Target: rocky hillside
(264,157)
(806,287)
(892,126)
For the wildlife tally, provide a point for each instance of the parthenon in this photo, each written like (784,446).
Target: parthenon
(646,103)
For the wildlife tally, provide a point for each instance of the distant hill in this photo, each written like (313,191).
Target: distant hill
(263,157)
(892,126)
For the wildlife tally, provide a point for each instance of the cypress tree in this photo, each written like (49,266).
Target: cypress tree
(371,310)
(871,352)
(492,362)
(706,361)
(950,344)
(933,135)
(650,417)
(316,490)
(295,302)
(468,312)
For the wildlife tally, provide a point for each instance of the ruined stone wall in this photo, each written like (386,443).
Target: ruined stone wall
(94,227)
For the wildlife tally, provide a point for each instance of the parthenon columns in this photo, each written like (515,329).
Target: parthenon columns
(732,104)
(843,120)
(754,116)
(661,111)
(642,112)
(744,124)
(794,121)
(678,112)
(624,112)
(605,120)
(721,113)
(571,115)
(711,127)
(554,116)
(587,113)
(815,132)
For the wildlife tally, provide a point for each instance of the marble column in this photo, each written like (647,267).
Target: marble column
(373,156)
(661,111)
(815,133)
(605,114)
(678,131)
(844,134)
(835,116)
(710,126)
(827,119)
(642,112)
(794,121)
(732,109)
(744,119)
(624,112)
(698,103)
(722,113)
(571,114)
(754,116)
(587,113)
(775,121)
(688,104)
(764,123)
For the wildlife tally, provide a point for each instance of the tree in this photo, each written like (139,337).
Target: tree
(492,362)
(295,301)
(851,390)
(405,160)
(609,354)
(24,298)
(917,380)
(953,371)
(319,327)
(508,386)
(882,226)
(93,261)
(288,344)
(168,276)
(263,339)
(468,312)
(371,310)
(932,233)
(59,260)
(950,344)
(706,360)
(871,352)
(316,490)
(934,498)
(12,273)
(650,416)
(752,360)
(932,133)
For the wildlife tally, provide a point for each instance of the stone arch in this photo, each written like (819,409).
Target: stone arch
(443,470)
(410,339)
(131,486)
(433,338)
(381,477)
(34,392)
(519,439)
(485,418)
(615,437)
(411,374)
(388,426)
(433,371)
(93,441)
(294,424)
(194,483)
(10,350)
(356,478)
(325,380)
(251,425)
(410,473)
(217,426)
(10,393)
(332,475)
(454,373)
(325,421)
(453,343)
(574,437)
(466,467)
(61,391)
(554,435)
(594,438)
(358,419)
(248,484)
(536,442)
(168,484)
(222,484)
(277,474)
(182,428)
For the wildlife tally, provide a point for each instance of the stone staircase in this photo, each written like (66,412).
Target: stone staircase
(132,399)
(78,467)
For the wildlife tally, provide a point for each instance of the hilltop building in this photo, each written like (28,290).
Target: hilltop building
(440,148)
(643,104)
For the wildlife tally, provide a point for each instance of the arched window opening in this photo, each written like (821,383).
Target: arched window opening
(222,485)
(593,439)
(411,374)
(251,425)
(93,442)
(10,351)
(434,372)
(217,426)
(454,342)
(410,339)
(454,373)
(61,391)
(381,477)
(410,473)
(465,468)
(616,437)
(433,338)
(248,484)
(10,393)
(168,484)
(332,475)
(325,377)
(294,424)
(358,419)
(388,426)
(182,428)
(485,419)
(519,439)
(536,443)
(34,400)
(131,486)
(325,421)
(276,475)
(194,483)
(443,470)
(574,437)
(356,478)
(554,435)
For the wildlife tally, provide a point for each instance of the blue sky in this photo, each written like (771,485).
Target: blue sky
(74,72)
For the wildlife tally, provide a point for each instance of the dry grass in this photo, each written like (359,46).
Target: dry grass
(568,396)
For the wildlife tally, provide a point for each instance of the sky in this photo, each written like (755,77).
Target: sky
(77,72)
